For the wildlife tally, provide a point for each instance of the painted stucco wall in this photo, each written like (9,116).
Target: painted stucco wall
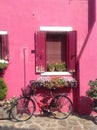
(21,18)
(88,63)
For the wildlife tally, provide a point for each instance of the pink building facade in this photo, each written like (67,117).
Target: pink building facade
(22,19)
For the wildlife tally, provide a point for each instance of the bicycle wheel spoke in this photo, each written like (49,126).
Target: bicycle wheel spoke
(23,109)
(62,108)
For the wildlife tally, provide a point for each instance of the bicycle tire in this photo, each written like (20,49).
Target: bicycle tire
(23,109)
(61,107)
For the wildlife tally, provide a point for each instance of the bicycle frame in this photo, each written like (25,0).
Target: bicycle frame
(45,106)
(42,105)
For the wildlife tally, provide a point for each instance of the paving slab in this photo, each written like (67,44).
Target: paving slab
(73,122)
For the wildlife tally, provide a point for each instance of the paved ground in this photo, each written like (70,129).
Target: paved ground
(73,122)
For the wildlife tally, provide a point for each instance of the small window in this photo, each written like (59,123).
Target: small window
(4,47)
(55,50)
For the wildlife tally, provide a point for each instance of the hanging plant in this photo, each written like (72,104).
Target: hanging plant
(3,89)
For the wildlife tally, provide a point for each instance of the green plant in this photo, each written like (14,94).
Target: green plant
(5,104)
(3,88)
(3,66)
(61,66)
(92,91)
(56,82)
(51,67)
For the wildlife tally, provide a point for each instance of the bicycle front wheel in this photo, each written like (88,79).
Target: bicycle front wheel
(61,107)
(22,109)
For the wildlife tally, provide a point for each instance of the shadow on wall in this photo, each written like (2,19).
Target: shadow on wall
(85,101)
(91,22)
(92,13)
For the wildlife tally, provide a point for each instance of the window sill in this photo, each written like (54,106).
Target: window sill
(56,73)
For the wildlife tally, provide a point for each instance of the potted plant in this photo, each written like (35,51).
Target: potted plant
(61,66)
(51,67)
(92,93)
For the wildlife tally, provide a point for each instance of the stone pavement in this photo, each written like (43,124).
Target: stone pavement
(73,122)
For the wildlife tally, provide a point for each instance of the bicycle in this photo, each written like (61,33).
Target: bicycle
(57,105)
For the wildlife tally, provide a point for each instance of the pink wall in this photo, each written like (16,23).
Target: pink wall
(88,62)
(21,18)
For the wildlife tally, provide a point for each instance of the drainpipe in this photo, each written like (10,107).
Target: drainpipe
(24,55)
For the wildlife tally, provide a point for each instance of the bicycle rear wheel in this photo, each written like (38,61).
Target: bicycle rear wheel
(61,107)
(22,109)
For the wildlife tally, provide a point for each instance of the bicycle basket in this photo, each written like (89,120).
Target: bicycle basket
(27,91)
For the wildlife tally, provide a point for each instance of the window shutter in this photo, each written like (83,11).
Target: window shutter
(40,44)
(71,48)
(5,52)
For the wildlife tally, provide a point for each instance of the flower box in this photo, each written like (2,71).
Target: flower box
(1,113)
(5,107)
(56,82)
(4,113)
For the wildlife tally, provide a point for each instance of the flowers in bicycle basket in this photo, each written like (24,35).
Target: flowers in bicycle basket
(6,104)
(56,82)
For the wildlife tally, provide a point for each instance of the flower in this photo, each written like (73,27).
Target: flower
(92,91)
(6,104)
(3,64)
(56,82)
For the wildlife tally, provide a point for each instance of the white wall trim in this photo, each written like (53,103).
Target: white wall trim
(55,28)
(3,32)
(55,73)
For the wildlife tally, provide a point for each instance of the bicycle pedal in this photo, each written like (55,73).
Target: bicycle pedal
(46,111)
(36,115)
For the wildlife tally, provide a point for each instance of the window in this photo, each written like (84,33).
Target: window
(55,47)
(4,46)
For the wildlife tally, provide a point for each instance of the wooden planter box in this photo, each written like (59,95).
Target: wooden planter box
(4,113)
(1,113)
